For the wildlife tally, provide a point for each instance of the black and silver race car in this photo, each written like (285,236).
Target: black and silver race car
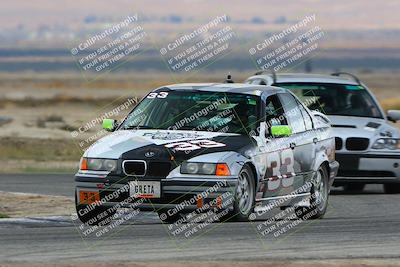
(200,146)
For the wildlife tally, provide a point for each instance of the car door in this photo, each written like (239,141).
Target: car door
(279,157)
(300,147)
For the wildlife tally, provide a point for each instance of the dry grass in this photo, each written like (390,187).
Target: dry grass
(390,103)
(23,205)
(38,149)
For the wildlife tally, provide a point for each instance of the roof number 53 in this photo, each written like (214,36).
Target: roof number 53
(158,95)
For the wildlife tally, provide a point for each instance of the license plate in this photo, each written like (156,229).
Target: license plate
(88,197)
(145,189)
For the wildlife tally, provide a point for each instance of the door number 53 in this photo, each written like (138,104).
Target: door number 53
(280,167)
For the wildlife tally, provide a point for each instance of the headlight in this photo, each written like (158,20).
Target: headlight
(219,169)
(98,164)
(387,143)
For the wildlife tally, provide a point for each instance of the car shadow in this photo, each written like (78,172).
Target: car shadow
(370,189)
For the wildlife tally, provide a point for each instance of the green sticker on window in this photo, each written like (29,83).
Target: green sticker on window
(354,87)
(252,102)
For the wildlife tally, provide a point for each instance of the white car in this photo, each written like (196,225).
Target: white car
(367,145)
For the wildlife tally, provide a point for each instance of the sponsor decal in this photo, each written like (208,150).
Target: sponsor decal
(194,145)
(171,135)
(149,154)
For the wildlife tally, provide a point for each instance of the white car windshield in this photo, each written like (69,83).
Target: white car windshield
(335,99)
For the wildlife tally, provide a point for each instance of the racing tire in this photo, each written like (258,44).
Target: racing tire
(392,188)
(319,197)
(354,187)
(169,219)
(244,199)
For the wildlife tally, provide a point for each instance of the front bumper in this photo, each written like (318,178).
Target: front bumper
(368,168)
(175,192)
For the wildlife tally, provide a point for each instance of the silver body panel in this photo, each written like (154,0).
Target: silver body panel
(344,127)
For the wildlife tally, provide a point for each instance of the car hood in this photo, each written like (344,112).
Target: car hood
(153,144)
(348,126)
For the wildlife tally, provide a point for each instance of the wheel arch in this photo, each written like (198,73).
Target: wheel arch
(254,171)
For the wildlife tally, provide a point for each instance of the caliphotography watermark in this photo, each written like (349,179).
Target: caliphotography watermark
(288,47)
(100,212)
(272,223)
(107,49)
(198,213)
(200,47)
(88,132)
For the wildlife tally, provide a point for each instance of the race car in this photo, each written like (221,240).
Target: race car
(367,145)
(194,147)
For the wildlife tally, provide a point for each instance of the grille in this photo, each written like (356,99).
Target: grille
(357,144)
(338,143)
(158,169)
(134,168)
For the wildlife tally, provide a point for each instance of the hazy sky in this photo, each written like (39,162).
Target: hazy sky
(338,14)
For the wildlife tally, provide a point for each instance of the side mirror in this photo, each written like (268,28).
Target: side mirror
(393,115)
(281,131)
(109,125)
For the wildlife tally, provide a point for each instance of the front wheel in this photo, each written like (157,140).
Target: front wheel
(319,197)
(244,195)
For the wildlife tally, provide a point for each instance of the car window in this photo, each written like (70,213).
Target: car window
(292,113)
(306,116)
(335,99)
(274,112)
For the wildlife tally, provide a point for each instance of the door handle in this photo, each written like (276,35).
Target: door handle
(292,145)
(315,140)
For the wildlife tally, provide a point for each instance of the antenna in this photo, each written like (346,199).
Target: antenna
(229,79)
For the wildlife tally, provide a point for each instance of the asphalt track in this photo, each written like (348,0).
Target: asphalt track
(363,225)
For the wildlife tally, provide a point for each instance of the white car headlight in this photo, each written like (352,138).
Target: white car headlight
(387,143)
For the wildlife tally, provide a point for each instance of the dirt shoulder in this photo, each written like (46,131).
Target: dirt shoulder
(26,205)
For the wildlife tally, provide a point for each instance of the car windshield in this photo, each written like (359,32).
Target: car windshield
(194,110)
(335,99)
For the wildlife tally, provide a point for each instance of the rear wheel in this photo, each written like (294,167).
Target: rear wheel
(354,187)
(319,197)
(244,195)
(392,188)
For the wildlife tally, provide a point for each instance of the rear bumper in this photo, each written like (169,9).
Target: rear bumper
(368,168)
